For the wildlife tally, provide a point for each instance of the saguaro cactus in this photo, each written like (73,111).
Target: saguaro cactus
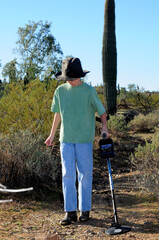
(109,57)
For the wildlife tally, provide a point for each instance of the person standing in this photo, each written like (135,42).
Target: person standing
(75,104)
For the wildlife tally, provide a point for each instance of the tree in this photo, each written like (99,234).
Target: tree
(132,87)
(109,57)
(10,71)
(39,50)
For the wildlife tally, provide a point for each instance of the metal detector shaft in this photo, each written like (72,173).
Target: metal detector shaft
(106,152)
(112,192)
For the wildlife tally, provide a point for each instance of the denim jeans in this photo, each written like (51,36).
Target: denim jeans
(80,157)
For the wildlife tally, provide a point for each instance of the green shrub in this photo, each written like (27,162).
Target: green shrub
(117,126)
(27,108)
(146,160)
(144,123)
(26,161)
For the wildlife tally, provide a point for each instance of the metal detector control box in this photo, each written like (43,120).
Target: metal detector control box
(106,148)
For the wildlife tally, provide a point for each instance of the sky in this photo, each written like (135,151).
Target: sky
(78,27)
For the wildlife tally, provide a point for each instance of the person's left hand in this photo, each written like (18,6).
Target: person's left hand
(106,132)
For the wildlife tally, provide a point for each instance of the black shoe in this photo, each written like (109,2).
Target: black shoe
(69,217)
(84,216)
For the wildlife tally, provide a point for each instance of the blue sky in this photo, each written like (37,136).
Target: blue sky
(78,26)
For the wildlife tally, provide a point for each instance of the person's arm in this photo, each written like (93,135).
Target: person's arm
(104,124)
(56,122)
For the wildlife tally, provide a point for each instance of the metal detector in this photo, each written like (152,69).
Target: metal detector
(107,152)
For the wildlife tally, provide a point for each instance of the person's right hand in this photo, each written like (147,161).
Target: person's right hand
(48,141)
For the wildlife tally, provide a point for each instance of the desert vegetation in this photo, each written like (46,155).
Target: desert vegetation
(26,93)
(26,120)
(25,161)
(138,117)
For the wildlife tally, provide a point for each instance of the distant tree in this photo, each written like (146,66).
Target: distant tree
(109,58)
(132,87)
(39,50)
(135,97)
(10,71)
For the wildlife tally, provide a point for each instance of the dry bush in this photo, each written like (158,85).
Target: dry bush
(145,123)
(146,160)
(26,161)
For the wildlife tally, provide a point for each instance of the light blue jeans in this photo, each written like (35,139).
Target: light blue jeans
(80,157)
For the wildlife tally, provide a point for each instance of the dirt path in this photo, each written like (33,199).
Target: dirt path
(34,220)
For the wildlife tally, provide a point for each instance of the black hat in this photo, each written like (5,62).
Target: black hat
(71,70)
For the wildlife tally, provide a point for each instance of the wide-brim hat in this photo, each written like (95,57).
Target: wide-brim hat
(71,70)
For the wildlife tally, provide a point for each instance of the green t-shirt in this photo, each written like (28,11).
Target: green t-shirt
(77,106)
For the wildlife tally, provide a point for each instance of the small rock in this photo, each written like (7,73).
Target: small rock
(55,237)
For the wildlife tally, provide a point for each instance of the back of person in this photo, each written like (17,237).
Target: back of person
(77,107)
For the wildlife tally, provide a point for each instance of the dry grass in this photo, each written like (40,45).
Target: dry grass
(29,219)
